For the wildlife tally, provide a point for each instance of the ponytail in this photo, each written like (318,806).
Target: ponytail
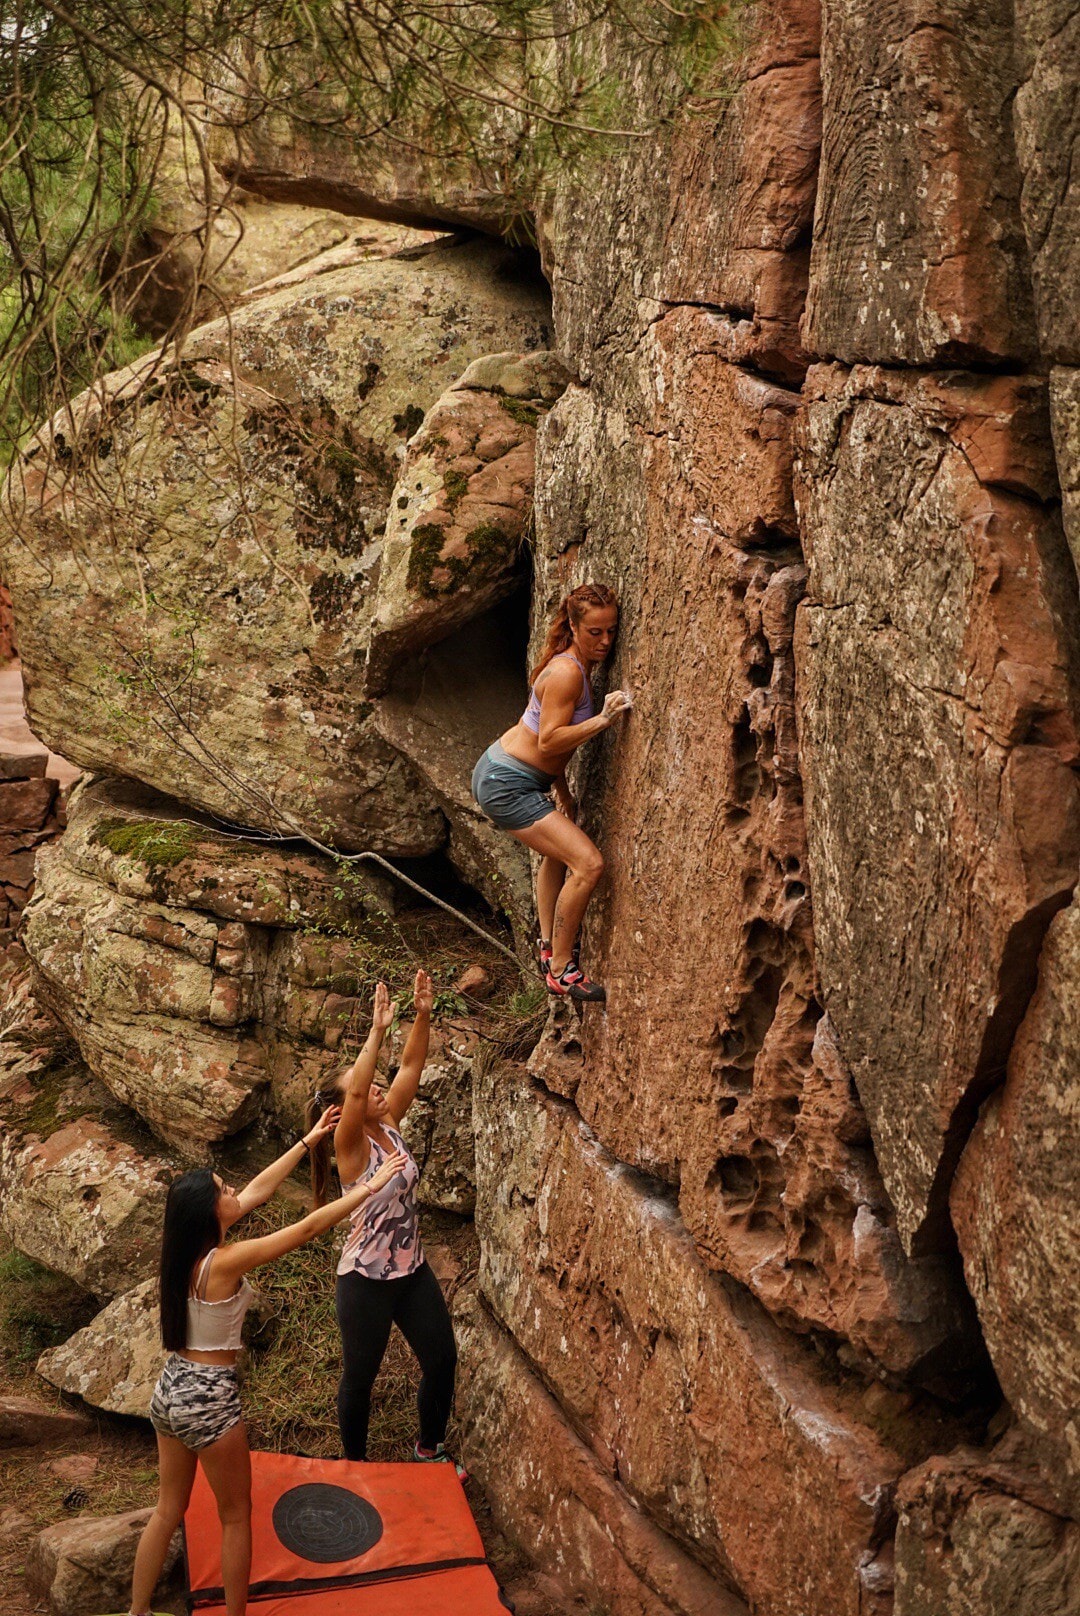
(571,610)
(320,1153)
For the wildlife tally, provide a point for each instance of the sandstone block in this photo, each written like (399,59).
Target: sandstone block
(936,645)
(462,506)
(114,1362)
(752,168)
(919,255)
(1065,418)
(1046,120)
(264,462)
(970,1543)
(722,1429)
(721,1086)
(25,1422)
(549,1494)
(84,1566)
(1015,1210)
(84,1204)
(24,804)
(30,767)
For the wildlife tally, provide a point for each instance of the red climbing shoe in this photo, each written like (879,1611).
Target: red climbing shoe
(572,983)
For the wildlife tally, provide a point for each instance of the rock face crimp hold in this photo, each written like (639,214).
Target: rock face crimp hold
(935,646)
(191,550)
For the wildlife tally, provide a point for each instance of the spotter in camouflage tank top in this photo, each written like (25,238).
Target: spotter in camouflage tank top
(384,1233)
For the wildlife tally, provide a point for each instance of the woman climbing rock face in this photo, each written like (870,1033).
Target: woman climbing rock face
(195,1409)
(383,1278)
(514,779)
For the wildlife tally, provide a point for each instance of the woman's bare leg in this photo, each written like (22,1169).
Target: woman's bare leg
(558,838)
(549,883)
(176,1472)
(227,1466)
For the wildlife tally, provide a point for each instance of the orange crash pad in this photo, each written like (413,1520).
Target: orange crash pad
(333,1538)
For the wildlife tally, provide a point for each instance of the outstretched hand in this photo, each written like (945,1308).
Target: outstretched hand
(384,1011)
(393,1164)
(325,1125)
(423,994)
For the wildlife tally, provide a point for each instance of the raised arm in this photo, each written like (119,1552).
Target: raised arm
(241,1256)
(264,1184)
(403,1088)
(350,1139)
(558,737)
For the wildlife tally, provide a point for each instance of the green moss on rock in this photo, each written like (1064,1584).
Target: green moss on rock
(521,412)
(158,843)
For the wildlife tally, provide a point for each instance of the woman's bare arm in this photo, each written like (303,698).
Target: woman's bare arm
(350,1136)
(403,1088)
(263,1185)
(557,736)
(239,1257)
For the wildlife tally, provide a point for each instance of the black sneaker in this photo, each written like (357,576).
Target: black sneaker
(572,983)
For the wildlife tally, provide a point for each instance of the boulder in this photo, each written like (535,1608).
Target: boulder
(1046,120)
(84,1566)
(83,1203)
(26,1422)
(919,255)
(305,146)
(462,506)
(210,523)
(976,1539)
(1014,1207)
(195,969)
(936,647)
(549,1493)
(444,710)
(438,1128)
(159,999)
(724,1431)
(115,1361)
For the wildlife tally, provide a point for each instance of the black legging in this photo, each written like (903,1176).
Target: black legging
(366,1308)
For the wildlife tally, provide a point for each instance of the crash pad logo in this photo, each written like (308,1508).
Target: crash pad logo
(324,1523)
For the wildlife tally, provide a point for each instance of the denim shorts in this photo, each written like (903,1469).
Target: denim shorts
(510,792)
(195,1402)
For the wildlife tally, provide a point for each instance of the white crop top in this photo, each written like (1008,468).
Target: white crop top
(216,1326)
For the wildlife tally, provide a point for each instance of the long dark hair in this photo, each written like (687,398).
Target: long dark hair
(320,1154)
(571,610)
(191,1229)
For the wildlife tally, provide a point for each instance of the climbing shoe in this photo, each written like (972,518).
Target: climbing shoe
(572,983)
(545,955)
(440,1456)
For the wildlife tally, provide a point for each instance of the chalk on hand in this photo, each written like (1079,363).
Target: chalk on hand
(628,698)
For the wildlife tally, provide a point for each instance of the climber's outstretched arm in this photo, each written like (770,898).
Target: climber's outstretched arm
(403,1088)
(350,1136)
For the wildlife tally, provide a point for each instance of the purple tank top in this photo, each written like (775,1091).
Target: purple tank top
(384,1233)
(584,709)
